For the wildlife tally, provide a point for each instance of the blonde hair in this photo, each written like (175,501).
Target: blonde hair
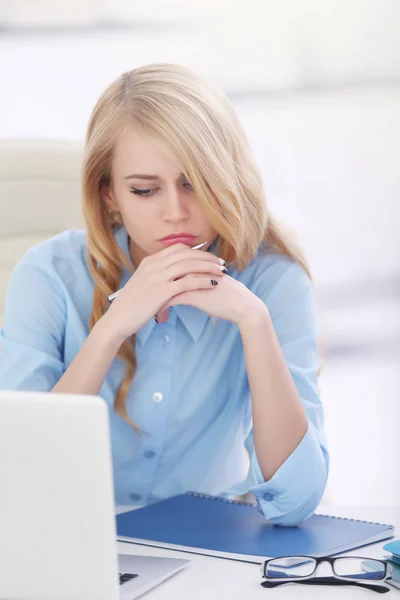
(200,126)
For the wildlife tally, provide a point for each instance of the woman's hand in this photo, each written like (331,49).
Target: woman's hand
(159,278)
(231,301)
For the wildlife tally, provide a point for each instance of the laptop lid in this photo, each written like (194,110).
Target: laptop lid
(57,521)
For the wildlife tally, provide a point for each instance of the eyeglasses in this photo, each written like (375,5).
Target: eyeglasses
(347,570)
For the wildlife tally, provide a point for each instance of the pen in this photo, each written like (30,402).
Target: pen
(112,297)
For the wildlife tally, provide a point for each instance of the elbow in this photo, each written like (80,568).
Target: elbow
(293,494)
(300,513)
(298,500)
(297,509)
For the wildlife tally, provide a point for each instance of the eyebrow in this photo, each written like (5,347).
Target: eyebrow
(140,176)
(143,176)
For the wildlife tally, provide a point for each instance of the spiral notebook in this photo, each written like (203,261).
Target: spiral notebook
(229,529)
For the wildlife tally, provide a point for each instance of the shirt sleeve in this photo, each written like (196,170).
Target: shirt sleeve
(31,340)
(295,490)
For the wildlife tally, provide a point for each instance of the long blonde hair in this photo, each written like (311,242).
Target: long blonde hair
(200,125)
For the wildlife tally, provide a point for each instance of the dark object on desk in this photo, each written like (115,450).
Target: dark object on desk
(229,529)
(380,588)
(125,577)
(343,567)
(346,570)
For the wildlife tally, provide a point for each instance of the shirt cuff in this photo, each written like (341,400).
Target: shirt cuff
(294,491)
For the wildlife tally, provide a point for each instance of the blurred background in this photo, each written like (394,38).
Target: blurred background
(317,87)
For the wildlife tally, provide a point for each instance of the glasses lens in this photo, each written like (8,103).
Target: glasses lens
(290,567)
(359,568)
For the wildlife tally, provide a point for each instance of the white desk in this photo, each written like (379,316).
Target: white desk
(208,578)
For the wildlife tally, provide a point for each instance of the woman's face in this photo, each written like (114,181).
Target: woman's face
(153,197)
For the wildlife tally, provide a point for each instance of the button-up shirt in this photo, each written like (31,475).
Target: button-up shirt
(190,395)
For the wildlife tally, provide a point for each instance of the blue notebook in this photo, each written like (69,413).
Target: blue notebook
(219,527)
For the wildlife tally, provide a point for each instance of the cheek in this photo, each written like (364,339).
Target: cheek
(197,210)
(135,208)
(137,216)
(201,218)
(139,220)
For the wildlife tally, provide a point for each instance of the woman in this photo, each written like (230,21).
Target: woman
(195,362)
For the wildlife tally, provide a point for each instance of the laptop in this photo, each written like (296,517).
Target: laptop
(57,514)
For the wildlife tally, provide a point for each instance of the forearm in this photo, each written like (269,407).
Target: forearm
(88,370)
(279,418)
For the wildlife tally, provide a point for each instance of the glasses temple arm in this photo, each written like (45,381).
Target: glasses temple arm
(381,589)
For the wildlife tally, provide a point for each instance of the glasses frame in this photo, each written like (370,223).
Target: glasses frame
(331,560)
(381,588)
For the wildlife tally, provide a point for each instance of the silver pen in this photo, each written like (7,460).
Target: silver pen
(112,297)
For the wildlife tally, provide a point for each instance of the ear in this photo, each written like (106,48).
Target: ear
(107,195)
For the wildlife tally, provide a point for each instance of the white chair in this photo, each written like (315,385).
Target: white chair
(39,197)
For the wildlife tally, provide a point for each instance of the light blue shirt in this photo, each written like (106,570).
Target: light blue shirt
(190,395)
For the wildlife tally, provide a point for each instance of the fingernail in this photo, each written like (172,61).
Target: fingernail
(214,282)
(225,270)
(221,260)
(156,320)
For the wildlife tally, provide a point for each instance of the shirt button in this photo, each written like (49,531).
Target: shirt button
(268,496)
(165,340)
(157,397)
(149,454)
(135,497)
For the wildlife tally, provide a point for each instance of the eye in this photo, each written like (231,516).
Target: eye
(138,192)
(188,185)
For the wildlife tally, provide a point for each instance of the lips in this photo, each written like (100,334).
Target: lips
(188,239)
(178,236)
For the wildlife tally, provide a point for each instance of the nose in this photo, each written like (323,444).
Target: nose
(175,207)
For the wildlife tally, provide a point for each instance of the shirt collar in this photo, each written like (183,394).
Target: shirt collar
(193,319)
(144,332)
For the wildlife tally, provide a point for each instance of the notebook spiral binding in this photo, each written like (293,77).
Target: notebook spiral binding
(254,505)
(220,499)
(354,520)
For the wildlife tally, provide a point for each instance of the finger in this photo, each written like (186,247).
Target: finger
(194,266)
(184,298)
(176,248)
(164,261)
(186,284)
(154,260)
(163,315)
